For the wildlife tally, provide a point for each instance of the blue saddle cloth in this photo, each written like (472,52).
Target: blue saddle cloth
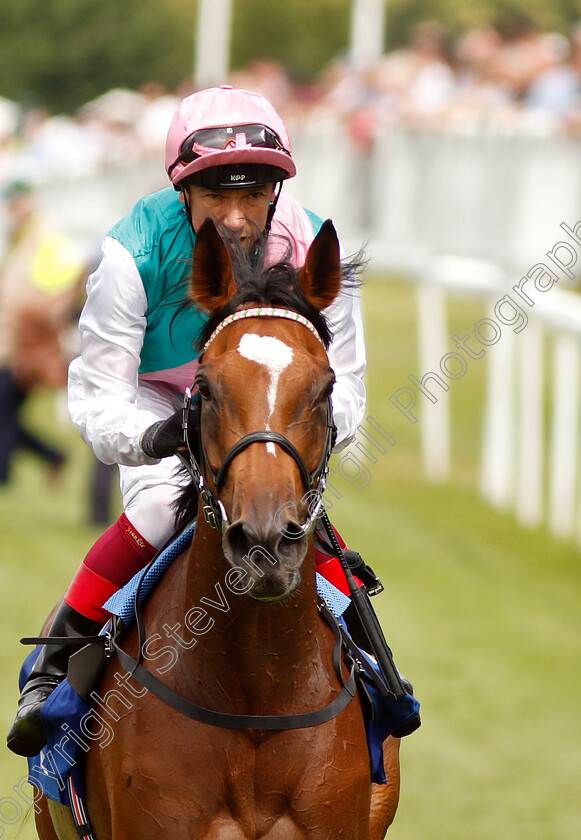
(72,726)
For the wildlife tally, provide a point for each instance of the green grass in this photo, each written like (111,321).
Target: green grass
(482,615)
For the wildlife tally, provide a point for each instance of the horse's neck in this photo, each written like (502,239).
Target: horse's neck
(283,635)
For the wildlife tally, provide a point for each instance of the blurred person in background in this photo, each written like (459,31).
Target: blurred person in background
(39,276)
(557,86)
(227,156)
(432,84)
(574,115)
(476,57)
(521,57)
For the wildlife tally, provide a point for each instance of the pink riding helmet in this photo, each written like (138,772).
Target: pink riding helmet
(225,125)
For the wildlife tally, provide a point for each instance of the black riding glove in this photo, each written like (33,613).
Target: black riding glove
(164,438)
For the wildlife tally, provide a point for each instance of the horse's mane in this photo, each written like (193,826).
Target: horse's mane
(273,285)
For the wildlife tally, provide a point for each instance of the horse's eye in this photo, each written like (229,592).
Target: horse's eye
(326,393)
(203,389)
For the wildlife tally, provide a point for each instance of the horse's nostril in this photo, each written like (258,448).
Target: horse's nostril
(240,540)
(291,530)
(268,543)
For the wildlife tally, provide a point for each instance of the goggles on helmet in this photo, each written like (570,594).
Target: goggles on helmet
(203,139)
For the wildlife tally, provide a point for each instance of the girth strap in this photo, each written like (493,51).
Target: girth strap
(233,721)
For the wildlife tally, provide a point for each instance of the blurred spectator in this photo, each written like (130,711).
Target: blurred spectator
(476,60)
(158,108)
(556,87)
(110,121)
(432,79)
(266,77)
(520,60)
(39,277)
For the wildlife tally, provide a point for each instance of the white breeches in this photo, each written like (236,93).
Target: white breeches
(149,490)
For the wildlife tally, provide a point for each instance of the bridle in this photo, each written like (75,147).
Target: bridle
(314,482)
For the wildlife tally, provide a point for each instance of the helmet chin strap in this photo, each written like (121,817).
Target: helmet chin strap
(187,208)
(272,208)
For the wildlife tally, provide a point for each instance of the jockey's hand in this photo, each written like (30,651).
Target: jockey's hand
(164,438)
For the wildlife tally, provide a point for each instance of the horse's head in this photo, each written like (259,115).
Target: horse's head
(265,384)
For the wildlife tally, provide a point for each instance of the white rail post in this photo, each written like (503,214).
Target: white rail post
(530,446)
(367,27)
(498,461)
(563,452)
(212,43)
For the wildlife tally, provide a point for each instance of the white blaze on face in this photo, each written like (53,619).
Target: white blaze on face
(275,355)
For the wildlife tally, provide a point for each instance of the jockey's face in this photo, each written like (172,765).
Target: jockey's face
(243,211)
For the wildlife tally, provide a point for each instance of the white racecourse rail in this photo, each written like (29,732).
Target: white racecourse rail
(484,213)
(489,214)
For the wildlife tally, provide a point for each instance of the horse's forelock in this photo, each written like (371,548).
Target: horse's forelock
(276,285)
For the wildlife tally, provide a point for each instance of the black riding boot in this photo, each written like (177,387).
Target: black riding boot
(27,736)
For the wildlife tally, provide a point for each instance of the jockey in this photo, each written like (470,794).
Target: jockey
(227,156)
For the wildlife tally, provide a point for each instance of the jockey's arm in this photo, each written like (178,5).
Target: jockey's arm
(103,380)
(348,359)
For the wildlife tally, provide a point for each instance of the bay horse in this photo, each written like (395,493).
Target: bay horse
(234,625)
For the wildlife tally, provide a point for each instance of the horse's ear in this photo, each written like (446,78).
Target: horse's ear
(212,283)
(320,277)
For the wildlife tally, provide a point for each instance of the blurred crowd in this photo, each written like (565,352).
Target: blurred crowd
(517,80)
(520,81)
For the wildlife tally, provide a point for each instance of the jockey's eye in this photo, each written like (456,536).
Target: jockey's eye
(203,388)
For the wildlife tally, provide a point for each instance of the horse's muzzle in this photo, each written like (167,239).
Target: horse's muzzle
(271,556)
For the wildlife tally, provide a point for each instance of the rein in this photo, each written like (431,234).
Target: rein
(315,481)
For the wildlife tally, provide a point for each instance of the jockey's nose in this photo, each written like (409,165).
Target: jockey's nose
(233,213)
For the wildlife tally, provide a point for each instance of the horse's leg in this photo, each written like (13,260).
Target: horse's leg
(42,818)
(385,798)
